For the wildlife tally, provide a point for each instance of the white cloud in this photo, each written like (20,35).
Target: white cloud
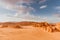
(21,17)
(42,7)
(42,1)
(12,4)
(18,1)
(23,12)
(57,7)
(7,5)
(56,15)
(59,11)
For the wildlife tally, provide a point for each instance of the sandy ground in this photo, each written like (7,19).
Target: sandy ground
(27,34)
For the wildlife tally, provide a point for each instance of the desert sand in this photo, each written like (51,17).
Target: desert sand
(28,33)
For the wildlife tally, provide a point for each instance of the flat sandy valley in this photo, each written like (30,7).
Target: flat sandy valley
(27,34)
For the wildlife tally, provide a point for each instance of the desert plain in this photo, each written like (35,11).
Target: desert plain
(29,31)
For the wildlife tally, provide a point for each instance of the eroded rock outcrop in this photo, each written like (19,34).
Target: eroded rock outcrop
(57,25)
(42,25)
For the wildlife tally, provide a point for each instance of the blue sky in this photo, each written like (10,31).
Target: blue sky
(30,10)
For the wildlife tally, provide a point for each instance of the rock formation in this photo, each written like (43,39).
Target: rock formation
(42,25)
(57,25)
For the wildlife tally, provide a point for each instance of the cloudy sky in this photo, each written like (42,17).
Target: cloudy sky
(29,10)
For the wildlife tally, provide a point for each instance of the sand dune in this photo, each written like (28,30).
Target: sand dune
(29,31)
(24,34)
(44,25)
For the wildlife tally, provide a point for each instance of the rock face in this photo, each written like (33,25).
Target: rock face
(57,26)
(42,25)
